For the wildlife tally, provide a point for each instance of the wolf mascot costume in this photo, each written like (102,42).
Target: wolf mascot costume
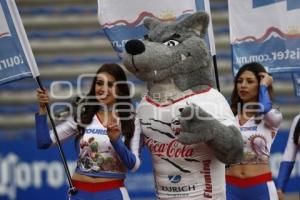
(187,125)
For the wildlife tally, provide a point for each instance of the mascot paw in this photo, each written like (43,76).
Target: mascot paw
(196,125)
(186,138)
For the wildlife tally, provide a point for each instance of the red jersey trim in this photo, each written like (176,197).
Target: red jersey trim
(175,101)
(247,182)
(96,187)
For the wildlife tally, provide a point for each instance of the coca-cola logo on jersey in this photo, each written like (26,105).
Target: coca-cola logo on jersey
(173,149)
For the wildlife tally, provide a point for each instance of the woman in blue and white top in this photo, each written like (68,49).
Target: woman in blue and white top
(251,178)
(289,157)
(106,132)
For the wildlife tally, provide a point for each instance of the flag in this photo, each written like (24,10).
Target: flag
(16,57)
(122,20)
(296,79)
(265,31)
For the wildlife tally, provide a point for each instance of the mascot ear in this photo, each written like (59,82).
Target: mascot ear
(196,22)
(151,23)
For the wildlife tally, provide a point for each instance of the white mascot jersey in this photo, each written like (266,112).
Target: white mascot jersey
(184,171)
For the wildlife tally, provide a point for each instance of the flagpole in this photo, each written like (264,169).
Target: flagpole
(216,72)
(212,44)
(72,189)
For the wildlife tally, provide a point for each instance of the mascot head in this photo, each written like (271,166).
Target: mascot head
(173,51)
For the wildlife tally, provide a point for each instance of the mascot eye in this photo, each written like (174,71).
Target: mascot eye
(171,43)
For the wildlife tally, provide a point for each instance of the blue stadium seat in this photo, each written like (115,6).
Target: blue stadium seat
(58,11)
(65,34)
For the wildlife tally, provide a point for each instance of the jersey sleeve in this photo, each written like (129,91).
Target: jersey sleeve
(131,158)
(65,130)
(42,132)
(289,157)
(264,99)
(272,117)
(46,138)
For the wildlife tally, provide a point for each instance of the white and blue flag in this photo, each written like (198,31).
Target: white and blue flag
(16,57)
(268,32)
(265,31)
(122,20)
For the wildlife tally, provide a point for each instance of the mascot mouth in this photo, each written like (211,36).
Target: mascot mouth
(133,64)
(185,56)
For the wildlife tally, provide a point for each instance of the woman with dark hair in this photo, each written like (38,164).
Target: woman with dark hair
(259,122)
(289,157)
(106,132)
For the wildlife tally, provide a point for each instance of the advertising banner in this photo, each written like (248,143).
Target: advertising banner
(28,173)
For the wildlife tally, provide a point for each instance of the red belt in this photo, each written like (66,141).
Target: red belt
(247,182)
(96,187)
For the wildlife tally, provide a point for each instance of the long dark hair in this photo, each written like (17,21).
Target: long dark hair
(123,104)
(255,68)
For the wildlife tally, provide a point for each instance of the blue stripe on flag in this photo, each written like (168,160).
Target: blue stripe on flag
(293,4)
(200,4)
(296,79)
(260,3)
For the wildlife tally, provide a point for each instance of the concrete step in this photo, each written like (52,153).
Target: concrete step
(44,22)
(219,18)
(11,121)
(76,46)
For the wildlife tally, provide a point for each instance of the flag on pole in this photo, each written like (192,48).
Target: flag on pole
(16,57)
(17,61)
(265,31)
(296,78)
(122,22)
(268,32)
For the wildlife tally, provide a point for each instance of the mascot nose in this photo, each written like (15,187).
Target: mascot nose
(134,47)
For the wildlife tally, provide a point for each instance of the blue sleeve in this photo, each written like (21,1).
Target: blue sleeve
(264,98)
(284,174)
(125,154)
(42,132)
